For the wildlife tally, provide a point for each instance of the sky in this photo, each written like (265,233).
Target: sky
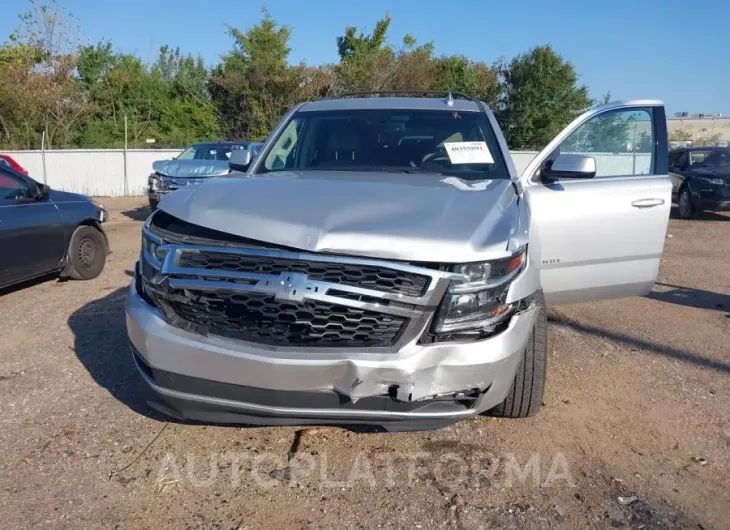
(673,50)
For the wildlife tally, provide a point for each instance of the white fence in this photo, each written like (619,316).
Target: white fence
(97,172)
(101,172)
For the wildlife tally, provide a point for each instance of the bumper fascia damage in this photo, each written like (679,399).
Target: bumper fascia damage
(220,380)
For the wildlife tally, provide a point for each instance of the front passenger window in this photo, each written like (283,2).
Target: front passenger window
(12,187)
(621,141)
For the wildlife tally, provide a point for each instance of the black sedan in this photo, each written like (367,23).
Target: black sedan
(46,231)
(700,179)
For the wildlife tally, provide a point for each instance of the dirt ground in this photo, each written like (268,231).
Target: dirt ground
(634,432)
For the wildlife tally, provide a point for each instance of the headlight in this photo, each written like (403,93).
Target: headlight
(154,182)
(475,299)
(717,182)
(151,249)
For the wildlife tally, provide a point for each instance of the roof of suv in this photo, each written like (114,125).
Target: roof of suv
(221,143)
(460,105)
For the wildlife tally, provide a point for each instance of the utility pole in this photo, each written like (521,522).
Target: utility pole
(43,155)
(126,184)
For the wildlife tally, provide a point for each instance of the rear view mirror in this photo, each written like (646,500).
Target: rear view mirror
(240,160)
(570,167)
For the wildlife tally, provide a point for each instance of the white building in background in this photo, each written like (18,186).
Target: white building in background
(701,126)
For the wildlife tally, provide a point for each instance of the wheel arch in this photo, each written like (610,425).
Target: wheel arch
(686,183)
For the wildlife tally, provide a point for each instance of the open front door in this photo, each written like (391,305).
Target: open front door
(599,197)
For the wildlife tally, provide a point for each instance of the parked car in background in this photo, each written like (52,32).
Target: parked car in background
(700,179)
(7,160)
(192,166)
(255,148)
(44,231)
(383,263)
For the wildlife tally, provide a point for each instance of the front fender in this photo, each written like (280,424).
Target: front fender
(75,213)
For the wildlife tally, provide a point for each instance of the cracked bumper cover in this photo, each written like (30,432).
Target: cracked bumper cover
(419,371)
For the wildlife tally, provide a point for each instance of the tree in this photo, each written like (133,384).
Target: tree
(540,96)
(53,35)
(20,117)
(680,135)
(80,95)
(367,61)
(705,137)
(456,72)
(351,46)
(254,84)
(167,100)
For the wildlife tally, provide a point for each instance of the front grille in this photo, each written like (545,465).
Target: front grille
(173,184)
(356,275)
(263,319)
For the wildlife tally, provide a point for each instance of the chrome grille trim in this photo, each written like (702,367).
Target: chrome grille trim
(208,285)
(419,310)
(430,298)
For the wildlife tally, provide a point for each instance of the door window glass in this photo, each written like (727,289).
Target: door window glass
(281,155)
(621,141)
(12,187)
(713,158)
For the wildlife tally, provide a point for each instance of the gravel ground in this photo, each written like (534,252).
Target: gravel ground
(635,431)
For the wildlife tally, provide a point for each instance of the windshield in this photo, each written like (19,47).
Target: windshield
(710,158)
(445,142)
(209,152)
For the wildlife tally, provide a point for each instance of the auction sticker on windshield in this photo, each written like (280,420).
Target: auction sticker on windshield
(468,153)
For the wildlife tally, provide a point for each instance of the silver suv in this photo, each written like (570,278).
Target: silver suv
(382,262)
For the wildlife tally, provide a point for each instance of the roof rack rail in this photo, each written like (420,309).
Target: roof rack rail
(448,94)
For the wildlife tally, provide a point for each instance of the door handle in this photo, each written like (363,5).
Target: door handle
(647,203)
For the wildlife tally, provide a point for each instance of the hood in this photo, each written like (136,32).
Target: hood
(191,168)
(414,217)
(59,196)
(712,172)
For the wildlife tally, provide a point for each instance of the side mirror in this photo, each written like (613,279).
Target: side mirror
(240,160)
(42,191)
(570,167)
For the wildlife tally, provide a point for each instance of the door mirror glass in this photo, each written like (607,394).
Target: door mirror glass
(571,167)
(240,160)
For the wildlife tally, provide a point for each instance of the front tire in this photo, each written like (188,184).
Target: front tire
(525,395)
(686,208)
(153,204)
(86,253)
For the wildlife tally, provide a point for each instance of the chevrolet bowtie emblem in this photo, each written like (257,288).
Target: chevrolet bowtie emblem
(293,286)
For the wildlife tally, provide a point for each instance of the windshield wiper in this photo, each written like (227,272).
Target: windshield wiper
(408,170)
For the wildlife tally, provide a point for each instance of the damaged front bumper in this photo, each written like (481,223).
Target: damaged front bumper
(422,386)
